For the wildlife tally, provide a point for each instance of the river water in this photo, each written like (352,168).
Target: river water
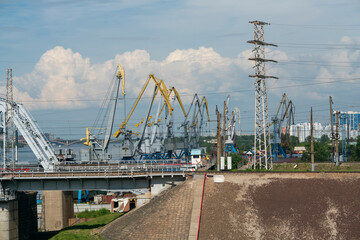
(25,154)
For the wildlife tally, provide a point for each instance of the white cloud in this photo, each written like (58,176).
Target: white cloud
(340,65)
(64,79)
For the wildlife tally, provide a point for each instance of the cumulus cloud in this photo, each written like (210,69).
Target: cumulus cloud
(65,79)
(340,65)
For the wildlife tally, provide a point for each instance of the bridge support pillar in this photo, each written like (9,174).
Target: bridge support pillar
(9,219)
(57,208)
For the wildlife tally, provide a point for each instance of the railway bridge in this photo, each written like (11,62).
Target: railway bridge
(57,190)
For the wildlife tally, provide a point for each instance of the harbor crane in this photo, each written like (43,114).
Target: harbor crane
(231,133)
(286,110)
(130,146)
(161,145)
(99,150)
(193,127)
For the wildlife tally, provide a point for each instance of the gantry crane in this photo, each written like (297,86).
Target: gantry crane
(286,110)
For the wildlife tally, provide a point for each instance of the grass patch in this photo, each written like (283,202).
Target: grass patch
(86,230)
(93,213)
(306,167)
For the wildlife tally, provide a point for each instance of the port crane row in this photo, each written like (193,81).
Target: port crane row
(149,142)
(154,139)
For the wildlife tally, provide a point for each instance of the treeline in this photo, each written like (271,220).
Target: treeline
(322,147)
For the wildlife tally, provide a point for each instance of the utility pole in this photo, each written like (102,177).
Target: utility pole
(348,132)
(262,144)
(332,130)
(218,139)
(312,142)
(337,138)
(343,137)
(224,131)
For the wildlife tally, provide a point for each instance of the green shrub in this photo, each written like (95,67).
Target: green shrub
(92,213)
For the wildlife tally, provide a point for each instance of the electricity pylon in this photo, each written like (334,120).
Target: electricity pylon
(262,145)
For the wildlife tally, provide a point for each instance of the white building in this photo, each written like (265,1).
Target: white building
(303,130)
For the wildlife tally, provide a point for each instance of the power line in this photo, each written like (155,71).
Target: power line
(204,93)
(324,27)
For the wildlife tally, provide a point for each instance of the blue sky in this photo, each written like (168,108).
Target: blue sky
(64,53)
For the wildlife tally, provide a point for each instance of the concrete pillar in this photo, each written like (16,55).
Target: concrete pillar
(57,207)
(9,219)
(27,214)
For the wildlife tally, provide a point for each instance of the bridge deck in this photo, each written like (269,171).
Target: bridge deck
(59,175)
(90,180)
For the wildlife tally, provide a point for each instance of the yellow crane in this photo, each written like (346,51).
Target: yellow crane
(161,87)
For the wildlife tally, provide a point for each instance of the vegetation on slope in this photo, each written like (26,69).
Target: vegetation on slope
(92,213)
(86,230)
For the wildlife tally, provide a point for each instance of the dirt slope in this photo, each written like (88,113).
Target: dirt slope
(282,206)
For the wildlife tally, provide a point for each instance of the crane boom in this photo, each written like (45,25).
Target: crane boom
(120,77)
(161,87)
(206,105)
(203,104)
(177,95)
(179,100)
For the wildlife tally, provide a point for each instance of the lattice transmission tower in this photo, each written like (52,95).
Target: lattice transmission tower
(262,145)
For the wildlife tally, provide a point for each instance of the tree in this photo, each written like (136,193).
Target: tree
(356,150)
(244,142)
(293,141)
(235,159)
(324,139)
(321,152)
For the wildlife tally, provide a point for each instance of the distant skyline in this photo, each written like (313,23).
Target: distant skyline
(64,53)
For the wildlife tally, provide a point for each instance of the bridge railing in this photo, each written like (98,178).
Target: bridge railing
(124,167)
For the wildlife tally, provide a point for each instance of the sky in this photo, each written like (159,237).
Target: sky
(64,54)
